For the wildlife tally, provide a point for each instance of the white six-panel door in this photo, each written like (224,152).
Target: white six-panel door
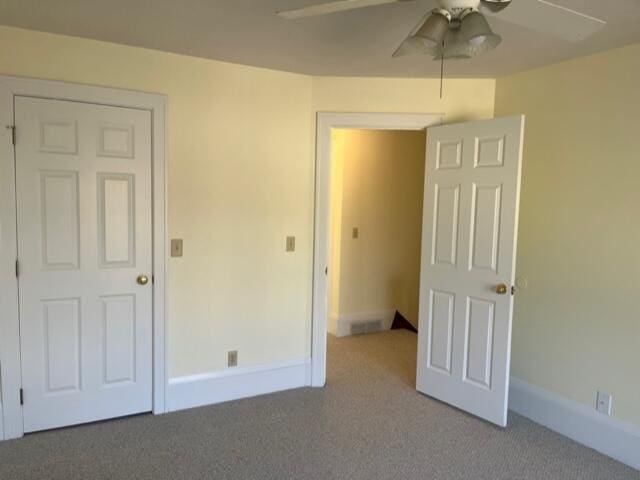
(468,264)
(84,237)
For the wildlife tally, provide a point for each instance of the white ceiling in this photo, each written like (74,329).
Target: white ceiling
(355,43)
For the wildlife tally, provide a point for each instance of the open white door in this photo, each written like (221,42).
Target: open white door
(469,235)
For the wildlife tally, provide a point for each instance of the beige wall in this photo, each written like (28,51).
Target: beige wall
(380,193)
(241,177)
(463,99)
(577,325)
(335,228)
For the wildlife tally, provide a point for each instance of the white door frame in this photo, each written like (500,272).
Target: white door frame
(325,122)
(11,423)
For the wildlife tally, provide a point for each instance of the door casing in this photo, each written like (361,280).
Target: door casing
(11,422)
(325,122)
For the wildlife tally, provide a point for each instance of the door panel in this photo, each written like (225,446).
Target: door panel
(445,225)
(84,235)
(469,240)
(486,209)
(119,339)
(62,345)
(60,219)
(478,355)
(441,331)
(116,220)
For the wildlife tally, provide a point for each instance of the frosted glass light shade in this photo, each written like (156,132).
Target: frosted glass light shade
(476,35)
(433,32)
(451,47)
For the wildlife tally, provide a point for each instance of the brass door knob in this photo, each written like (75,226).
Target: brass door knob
(142,279)
(501,289)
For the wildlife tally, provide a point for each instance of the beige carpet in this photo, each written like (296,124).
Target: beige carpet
(368,423)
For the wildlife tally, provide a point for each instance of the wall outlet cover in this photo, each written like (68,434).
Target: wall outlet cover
(291,244)
(604,402)
(232,358)
(176,247)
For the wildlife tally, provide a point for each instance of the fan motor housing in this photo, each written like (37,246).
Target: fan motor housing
(457,7)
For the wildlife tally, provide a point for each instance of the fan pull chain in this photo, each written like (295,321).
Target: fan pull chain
(442,71)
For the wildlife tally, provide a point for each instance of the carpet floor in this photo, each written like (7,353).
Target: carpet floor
(367,423)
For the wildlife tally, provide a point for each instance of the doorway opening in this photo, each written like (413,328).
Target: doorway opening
(327,125)
(377,184)
(467,262)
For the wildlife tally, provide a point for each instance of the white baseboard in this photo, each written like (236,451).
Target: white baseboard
(235,383)
(344,322)
(607,435)
(332,324)
(1,422)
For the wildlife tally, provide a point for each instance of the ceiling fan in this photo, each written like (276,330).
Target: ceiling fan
(459,29)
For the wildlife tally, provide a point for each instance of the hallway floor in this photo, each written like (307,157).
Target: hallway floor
(368,423)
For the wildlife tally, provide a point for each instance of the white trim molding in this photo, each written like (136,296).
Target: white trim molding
(326,122)
(607,435)
(1,423)
(235,383)
(11,425)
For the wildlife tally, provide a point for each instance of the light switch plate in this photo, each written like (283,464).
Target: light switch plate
(291,244)
(176,247)
(604,403)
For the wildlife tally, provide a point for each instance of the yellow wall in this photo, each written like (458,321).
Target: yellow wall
(240,174)
(577,325)
(380,193)
(463,99)
(335,228)
(241,178)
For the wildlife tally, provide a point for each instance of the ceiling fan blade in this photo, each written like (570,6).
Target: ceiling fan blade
(549,18)
(331,7)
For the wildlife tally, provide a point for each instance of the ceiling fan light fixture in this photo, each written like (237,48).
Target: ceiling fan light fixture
(476,35)
(495,6)
(452,50)
(434,30)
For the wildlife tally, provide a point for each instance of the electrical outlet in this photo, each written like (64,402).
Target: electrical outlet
(291,244)
(176,247)
(232,358)
(356,232)
(604,402)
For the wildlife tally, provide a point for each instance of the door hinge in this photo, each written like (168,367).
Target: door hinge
(21,397)
(13,133)
(17,268)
